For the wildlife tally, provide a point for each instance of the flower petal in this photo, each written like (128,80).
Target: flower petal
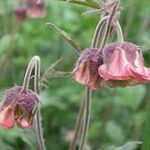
(7,119)
(25,121)
(138,71)
(117,68)
(81,74)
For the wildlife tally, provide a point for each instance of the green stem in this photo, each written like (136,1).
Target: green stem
(86,118)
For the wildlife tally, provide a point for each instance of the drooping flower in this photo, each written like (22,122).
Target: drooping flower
(20,13)
(86,69)
(18,107)
(35,9)
(123,65)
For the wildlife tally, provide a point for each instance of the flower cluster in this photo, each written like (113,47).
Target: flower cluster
(119,64)
(18,107)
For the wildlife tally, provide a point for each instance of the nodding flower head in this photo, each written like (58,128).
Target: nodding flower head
(18,107)
(123,65)
(35,9)
(20,13)
(86,69)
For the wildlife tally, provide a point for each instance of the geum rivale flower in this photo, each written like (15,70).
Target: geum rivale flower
(86,69)
(123,65)
(18,107)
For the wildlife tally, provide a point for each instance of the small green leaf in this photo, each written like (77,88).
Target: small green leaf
(89,3)
(128,146)
(65,35)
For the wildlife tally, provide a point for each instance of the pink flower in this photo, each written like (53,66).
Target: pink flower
(123,65)
(18,107)
(21,13)
(86,69)
(36,10)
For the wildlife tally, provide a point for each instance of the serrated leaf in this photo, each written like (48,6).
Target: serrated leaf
(51,72)
(89,3)
(66,36)
(53,65)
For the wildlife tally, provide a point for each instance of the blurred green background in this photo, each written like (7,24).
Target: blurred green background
(118,115)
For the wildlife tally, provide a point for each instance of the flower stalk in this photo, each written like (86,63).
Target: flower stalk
(78,125)
(108,26)
(88,90)
(86,118)
(35,63)
(87,73)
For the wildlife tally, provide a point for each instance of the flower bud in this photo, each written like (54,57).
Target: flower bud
(20,13)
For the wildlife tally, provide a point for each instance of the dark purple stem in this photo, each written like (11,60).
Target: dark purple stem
(108,26)
(97,31)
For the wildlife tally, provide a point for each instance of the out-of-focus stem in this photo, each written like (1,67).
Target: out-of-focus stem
(78,125)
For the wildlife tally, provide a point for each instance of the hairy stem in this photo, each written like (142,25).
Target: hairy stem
(35,63)
(38,115)
(39,130)
(119,32)
(28,73)
(108,26)
(98,31)
(86,118)
(78,126)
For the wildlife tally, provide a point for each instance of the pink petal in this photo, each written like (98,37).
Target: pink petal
(23,123)
(81,74)
(138,71)
(7,119)
(117,69)
(36,13)
(94,82)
